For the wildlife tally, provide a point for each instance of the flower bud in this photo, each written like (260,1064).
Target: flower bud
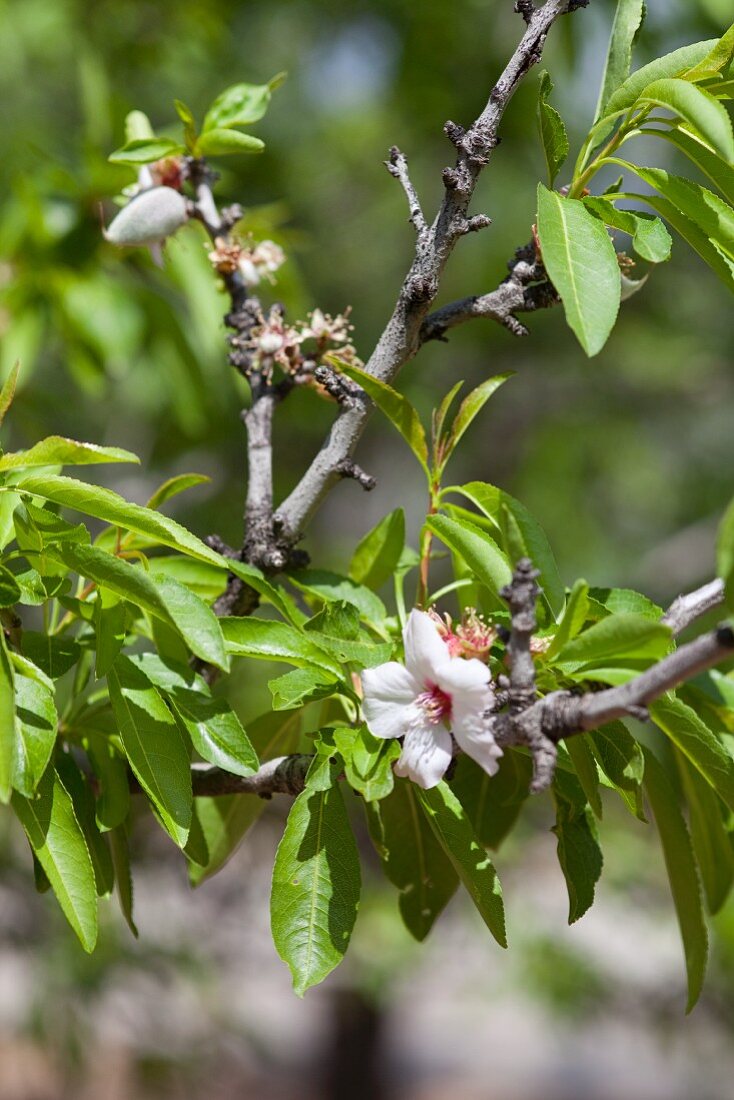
(149,218)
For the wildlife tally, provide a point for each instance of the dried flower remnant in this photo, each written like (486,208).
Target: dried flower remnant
(254,263)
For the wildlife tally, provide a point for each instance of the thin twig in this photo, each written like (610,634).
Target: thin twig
(397,166)
(691,606)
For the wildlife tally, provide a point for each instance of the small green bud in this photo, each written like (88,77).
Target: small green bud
(149,218)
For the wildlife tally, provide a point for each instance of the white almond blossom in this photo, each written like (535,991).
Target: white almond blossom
(431,694)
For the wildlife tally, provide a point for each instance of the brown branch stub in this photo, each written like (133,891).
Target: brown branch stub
(525,8)
(349,468)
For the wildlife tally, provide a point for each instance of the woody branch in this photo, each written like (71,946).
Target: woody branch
(537,723)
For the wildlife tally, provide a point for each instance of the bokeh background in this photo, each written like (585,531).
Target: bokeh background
(627,460)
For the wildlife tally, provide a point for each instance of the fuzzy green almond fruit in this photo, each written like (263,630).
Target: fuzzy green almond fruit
(149,218)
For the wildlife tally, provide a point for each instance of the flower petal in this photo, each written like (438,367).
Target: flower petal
(466,677)
(389,691)
(426,754)
(473,735)
(425,650)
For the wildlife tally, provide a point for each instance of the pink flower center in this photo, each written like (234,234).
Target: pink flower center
(436,704)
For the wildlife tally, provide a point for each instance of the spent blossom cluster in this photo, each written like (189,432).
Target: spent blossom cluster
(299,348)
(438,693)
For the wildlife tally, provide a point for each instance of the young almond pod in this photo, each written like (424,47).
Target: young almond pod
(149,218)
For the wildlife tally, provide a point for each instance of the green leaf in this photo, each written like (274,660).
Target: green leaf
(195,621)
(579,257)
(329,587)
(650,238)
(697,237)
(53,654)
(241,104)
(274,641)
(175,485)
(93,500)
(155,748)
(490,500)
(579,853)
(8,722)
(412,858)
(585,767)
(671,64)
(720,173)
(469,408)
(110,770)
(682,873)
(207,581)
(110,619)
(36,724)
(215,731)
(222,143)
(123,879)
(301,686)
(456,836)
(7,393)
(438,416)
(711,844)
(553,134)
(696,741)
(145,150)
(58,844)
(698,108)
(57,451)
(316,885)
(9,588)
(480,552)
(718,57)
(394,405)
(617,638)
(368,762)
(493,804)
(574,617)
(187,117)
(378,552)
(138,127)
(78,789)
(710,213)
(628,20)
(725,553)
(620,759)
(224,820)
(165,598)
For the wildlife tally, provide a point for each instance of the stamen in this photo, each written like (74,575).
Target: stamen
(435,704)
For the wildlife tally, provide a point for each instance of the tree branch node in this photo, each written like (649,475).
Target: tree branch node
(348,468)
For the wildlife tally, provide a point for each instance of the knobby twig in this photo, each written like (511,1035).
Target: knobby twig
(525,290)
(521,596)
(404,334)
(259,546)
